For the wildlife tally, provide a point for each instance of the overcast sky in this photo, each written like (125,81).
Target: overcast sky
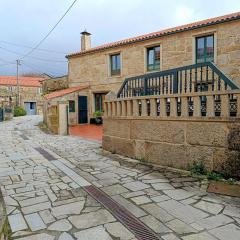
(26,22)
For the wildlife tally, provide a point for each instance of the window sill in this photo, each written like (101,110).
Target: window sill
(152,71)
(115,76)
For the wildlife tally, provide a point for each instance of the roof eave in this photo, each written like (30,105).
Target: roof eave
(153,37)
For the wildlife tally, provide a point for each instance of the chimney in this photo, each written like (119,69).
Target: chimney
(85,40)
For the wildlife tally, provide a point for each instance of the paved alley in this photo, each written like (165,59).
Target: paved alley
(64,187)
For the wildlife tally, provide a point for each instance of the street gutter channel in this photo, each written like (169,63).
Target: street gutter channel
(137,227)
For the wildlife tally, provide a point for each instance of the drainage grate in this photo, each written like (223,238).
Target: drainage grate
(46,154)
(139,229)
(24,137)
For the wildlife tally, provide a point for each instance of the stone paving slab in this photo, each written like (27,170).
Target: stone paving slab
(45,200)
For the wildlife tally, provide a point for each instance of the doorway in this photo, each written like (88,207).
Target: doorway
(30,108)
(82,109)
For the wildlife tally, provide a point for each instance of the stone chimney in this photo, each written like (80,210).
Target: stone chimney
(85,40)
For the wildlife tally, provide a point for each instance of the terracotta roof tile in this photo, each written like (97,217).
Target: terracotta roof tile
(63,92)
(210,21)
(23,81)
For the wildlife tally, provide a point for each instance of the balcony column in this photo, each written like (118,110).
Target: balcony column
(109,109)
(184,107)
(225,108)
(153,107)
(118,108)
(196,106)
(124,110)
(173,107)
(114,108)
(129,108)
(163,109)
(210,106)
(144,107)
(106,109)
(238,105)
(135,108)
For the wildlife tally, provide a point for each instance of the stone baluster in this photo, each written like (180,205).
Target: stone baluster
(119,108)
(114,110)
(225,108)
(153,107)
(135,108)
(238,105)
(196,106)
(124,110)
(129,108)
(105,109)
(144,107)
(109,109)
(173,107)
(210,106)
(184,107)
(163,112)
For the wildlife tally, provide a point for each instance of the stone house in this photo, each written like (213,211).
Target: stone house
(103,69)
(54,84)
(30,91)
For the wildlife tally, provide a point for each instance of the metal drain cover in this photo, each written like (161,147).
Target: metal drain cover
(139,229)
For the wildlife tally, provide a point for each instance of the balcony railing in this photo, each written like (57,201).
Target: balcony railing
(207,105)
(201,77)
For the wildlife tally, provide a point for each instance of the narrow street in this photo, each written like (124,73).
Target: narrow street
(50,185)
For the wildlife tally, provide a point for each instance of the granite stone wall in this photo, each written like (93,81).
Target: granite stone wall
(176,143)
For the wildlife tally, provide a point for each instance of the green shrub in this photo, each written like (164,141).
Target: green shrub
(198,168)
(98,114)
(214,176)
(19,111)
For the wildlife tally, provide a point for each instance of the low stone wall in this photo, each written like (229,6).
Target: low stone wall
(176,143)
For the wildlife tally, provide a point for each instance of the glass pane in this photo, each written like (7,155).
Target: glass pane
(200,50)
(118,62)
(98,102)
(113,62)
(157,53)
(150,56)
(71,106)
(209,48)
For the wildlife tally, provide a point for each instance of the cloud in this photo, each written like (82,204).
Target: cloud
(26,22)
(183,14)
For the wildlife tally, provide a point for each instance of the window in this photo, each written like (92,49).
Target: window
(10,88)
(39,90)
(99,99)
(205,49)
(71,106)
(115,64)
(153,58)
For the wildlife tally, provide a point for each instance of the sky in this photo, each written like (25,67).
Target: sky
(26,22)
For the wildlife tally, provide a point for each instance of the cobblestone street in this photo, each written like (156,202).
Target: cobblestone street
(47,182)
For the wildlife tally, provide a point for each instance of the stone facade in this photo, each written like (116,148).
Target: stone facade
(54,84)
(175,143)
(177,50)
(27,94)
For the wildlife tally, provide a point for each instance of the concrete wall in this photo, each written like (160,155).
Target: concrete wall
(176,143)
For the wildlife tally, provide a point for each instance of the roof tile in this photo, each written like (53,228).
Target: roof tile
(228,17)
(23,81)
(63,92)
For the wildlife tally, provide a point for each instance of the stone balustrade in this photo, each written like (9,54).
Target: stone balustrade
(211,104)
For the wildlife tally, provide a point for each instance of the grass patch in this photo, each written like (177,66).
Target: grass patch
(198,168)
